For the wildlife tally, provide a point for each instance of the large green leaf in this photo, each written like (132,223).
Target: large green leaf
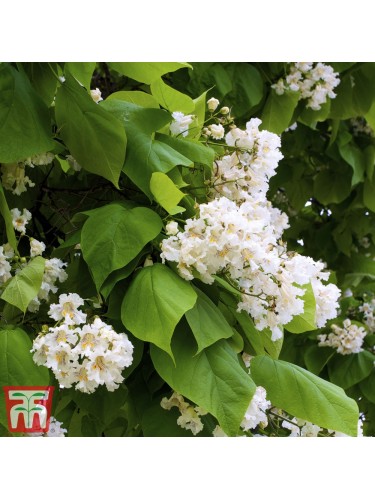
(207,322)
(25,126)
(95,138)
(304,322)
(331,186)
(5,212)
(25,285)
(170,98)
(82,71)
(316,358)
(136,97)
(278,111)
(114,235)
(212,379)
(145,155)
(16,364)
(166,193)
(146,72)
(195,151)
(350,369)
(247,89)
(155,302)
(305,395)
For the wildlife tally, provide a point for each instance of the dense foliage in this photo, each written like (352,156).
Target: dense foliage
(188,249)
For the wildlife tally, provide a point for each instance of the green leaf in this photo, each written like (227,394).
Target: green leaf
(304,322)
(316,358)
(247,89)
(5,212)
(305,395)
(369,195)
(25,285)
(166,193)
(165,296)
(200,112)
(146,72)
(102,404)
(331,186)
(136,97)
(102,152)
(82,71)
(356,159)
(43,80)
(17,367)
(350,369)
(119,274)
(195,151)
(278,111)
(207,322)
(25,126)
(171,99)
(212,379)
(114,235)
(145,155)
(367,386)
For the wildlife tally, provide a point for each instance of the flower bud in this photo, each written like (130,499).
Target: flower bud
(212,104)
(225,110)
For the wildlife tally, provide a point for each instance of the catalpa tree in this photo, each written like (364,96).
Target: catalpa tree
(188,249)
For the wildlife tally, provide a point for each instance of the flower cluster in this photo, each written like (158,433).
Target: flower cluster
(360,126)
(55,430)
(238,235)
(13,175)
(346,340)
(368,309)
(301,428)
(256,413)
(87,356)
(190,416)
(314,82)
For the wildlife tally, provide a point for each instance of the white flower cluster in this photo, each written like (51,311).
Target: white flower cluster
(314,82)
(190,416)
(256,413)
(238,235)
(6,254)
(180,123)
(368,309)
(54,430)
(360,126)
(346,340)
(301,428)
(13,176)
(88,356)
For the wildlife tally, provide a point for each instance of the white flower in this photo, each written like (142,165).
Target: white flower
(19,220)
(13,178)
(171,228)
(212,104)
(5,267)
(67,309)
(54,430)
(255,414)
(73,163)
(180,123)
(96,95)
(41,159)
(36,247)
(189,418)
(216,131)
(218,432)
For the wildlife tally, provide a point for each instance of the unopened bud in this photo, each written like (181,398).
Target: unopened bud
(225,110)
(212,104)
